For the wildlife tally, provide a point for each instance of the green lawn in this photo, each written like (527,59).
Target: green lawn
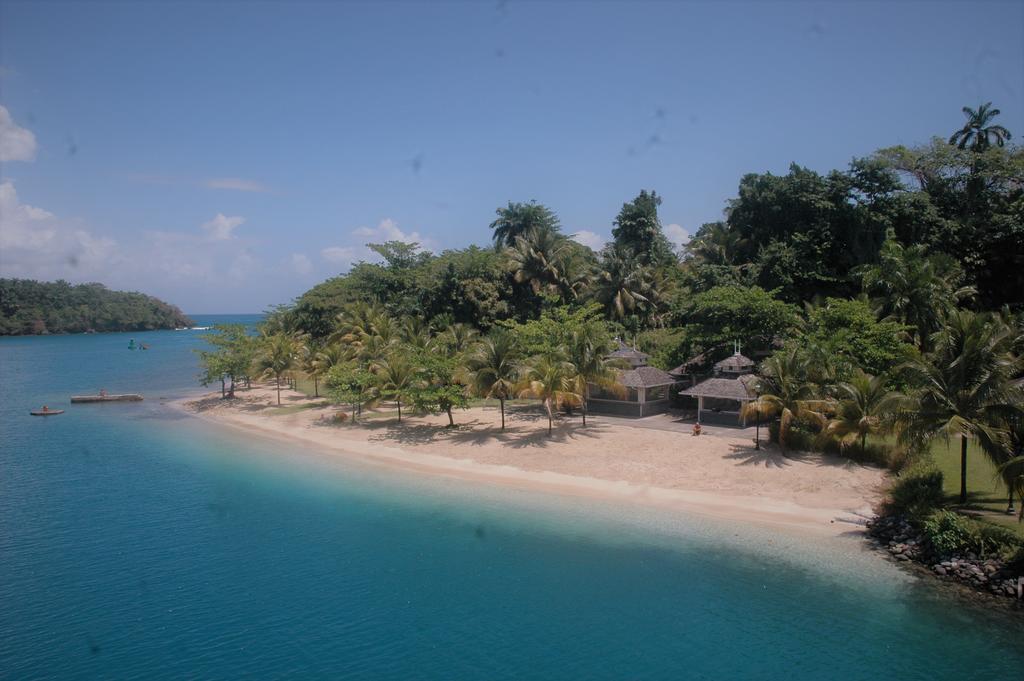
(985,490)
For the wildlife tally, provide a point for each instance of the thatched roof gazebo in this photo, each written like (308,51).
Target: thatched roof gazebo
(632,356)
(724,395)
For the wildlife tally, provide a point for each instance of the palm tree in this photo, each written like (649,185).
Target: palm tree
(522,220)
(309,354)
(329,356)
(415,332)
(396,375)
(459,337)
(914,287)
(276,357)
(625,287)
(357,322)
(785,391)
(539,259)
(551,379)
(716,244)
(491,368)
(963,389)
(977,133)
(588,353)
(864,408)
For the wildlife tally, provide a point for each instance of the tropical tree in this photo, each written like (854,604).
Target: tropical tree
(522,220)
(231,357)
(551,379)
(491,368)
(784,390)
(437,387)
(963,390)
(977,133)
(637,231)
(309,352)
(396,375)
(415,332)
(459,337)
(538,260)
(865,407)
(352,384)
(715,244)
(626,287)
(277,355)
(588,353)
(329,356)
(914,287)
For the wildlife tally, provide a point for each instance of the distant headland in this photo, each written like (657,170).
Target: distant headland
(29,307)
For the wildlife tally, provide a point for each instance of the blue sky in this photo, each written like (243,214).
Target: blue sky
(226,156)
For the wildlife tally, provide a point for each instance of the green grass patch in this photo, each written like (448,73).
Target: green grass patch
(986,491)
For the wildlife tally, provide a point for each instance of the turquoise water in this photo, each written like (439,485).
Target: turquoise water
(137,543)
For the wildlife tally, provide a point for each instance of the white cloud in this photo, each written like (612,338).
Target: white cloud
(338,254)
(34,243)
(220,228)
(16,143)
(588,238)
(301,264)
(387,230)
(677,235)
(236,183)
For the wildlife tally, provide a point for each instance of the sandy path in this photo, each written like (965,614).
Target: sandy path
(720,476)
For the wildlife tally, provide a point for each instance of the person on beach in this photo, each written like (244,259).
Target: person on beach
(696,429)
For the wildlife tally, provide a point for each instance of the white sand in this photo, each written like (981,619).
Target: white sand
(719,475)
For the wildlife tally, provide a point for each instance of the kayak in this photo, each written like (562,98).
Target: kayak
(48,412)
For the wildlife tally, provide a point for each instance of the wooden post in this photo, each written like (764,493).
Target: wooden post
(700,406)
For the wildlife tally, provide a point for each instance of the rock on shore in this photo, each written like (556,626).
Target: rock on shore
(906,544)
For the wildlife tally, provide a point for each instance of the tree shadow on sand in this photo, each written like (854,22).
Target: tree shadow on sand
(768,457)
(477,433)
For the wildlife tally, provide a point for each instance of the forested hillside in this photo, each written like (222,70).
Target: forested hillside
(30,307)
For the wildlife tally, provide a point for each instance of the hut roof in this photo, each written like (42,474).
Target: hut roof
(724,388)
(645,377)
(735,362)
(628,353)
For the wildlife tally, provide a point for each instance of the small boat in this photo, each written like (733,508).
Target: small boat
(103,397)
(46,412)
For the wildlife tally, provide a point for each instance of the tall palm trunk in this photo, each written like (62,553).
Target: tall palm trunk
(547,404)
(279,390)
(501,400)
(316,386)
(863,443)
(398,401)
(451,421)
(963,469)
(586,402)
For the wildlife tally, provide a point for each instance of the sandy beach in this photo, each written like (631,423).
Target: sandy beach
(718,474)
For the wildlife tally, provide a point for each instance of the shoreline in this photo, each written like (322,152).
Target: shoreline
(479,455)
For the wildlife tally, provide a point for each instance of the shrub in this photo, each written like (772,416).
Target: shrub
(875,454)
(994,540)
(950,533)
(918,491)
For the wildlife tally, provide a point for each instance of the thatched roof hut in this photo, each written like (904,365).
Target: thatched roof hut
(634,357)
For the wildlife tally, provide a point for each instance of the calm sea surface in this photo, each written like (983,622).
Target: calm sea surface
(137,543)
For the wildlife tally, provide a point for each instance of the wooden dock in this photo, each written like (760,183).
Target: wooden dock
(132,397)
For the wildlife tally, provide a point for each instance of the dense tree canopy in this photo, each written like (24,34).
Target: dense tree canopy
(36,307)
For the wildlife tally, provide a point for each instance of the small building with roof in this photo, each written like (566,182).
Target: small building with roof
(642,390)
(723,395)
(629,355)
